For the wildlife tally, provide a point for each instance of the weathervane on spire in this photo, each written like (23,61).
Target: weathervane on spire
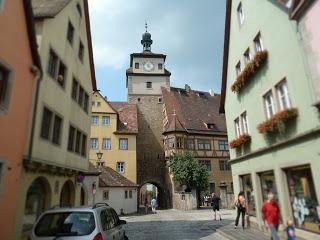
(146,26)
(146,39)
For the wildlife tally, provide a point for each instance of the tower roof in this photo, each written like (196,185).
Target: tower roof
(146,40)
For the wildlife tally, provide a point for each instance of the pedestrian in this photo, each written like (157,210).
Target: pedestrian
(154,205)
(206,198)
(271,215)
(215,206)
(240,203)
(291,234)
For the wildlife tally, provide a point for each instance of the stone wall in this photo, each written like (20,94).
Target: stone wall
(150,154)
(184,201)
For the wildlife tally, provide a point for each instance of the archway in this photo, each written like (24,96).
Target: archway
(149,190)
(67,194)
(37,201)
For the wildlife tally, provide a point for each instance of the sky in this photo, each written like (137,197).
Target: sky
(189,32)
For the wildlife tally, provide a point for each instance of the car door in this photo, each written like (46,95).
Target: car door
(118,226)
(107,225)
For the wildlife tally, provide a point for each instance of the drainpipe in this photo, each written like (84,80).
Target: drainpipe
(38,77)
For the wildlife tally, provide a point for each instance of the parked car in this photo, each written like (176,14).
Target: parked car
(99,222)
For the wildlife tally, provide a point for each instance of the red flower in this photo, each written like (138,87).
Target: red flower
(241,140)
(272,124)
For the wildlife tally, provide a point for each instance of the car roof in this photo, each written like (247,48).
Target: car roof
(76,209)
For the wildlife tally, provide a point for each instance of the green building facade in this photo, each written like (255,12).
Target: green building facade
(273,127)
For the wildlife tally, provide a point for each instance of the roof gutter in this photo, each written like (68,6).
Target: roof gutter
(225,55)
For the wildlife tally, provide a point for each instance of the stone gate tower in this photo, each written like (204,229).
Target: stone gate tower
(145,78)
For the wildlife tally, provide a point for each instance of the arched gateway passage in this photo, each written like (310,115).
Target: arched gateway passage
(67,194)
(149,190)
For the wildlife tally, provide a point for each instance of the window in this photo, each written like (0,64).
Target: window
(79,10)
(149,85)
(94,120)
(171,142)
(258,43)
(249,194)
(211,126)
(93,103)
(94,143)
(71,138)
(179,142)
(126,194)
(130,193)
(160,100)
(61,74)
(223,145)
(70,33)
(78,141)
(245,124)
(240,14)
(4,87)
(106,120)
(106,143)
(105,195)
(52,64)
(247,56)
(80,99)
(139,99)
(269,104)
(224,165)
(46,123)
(98,104)
(238,68)
(123,143)
(283,95)
(74,92)
(136,65)
(81,51)
(237,127)
(56,130)
(86,102)
(204,145)
(84,145)
(206,164)
(160,66)
(120,167)
(190,144)
(212,187)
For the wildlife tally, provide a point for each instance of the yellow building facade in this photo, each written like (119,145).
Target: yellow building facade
(113,132)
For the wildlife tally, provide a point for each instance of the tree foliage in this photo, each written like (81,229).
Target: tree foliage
(188,171)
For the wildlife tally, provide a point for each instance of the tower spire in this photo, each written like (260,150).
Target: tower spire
(146,39)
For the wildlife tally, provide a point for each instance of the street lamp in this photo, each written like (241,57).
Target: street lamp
(99,155)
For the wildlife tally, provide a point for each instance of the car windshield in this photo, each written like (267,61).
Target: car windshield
(65,224)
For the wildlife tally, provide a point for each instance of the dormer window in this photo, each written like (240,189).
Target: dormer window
(247,56)
(240,14)
(136,65)
(210,126)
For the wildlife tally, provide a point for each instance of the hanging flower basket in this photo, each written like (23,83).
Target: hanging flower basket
(277,122)
(241,140)
(243,78)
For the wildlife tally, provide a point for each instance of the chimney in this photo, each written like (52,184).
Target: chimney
(105,97)
(187,88)
(211,92)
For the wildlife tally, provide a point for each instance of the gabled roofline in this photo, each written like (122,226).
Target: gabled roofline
(32,34)
(225,55)
(89,40)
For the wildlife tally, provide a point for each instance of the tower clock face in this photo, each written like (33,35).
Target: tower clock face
(148,66)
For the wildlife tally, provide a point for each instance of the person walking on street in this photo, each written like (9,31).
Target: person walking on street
(215,206)
(291,235)
(206,199)
(154,205)
(271,215)
(240,204)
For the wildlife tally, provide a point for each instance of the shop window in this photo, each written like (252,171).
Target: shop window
(306,211)
(268,183)
(249,194)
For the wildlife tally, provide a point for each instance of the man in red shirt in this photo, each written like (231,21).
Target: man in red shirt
(271,215)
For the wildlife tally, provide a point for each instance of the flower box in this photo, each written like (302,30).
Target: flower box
(241,140)
(277,122)
(245,75)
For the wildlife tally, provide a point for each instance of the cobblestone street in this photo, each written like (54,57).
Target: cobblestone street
(173,224)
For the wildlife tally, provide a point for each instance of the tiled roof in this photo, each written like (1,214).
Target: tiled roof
(111,178)
(127,117)
(192,111)
(48,8)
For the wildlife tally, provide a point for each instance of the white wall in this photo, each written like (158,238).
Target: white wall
(116,196)
(139,84)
